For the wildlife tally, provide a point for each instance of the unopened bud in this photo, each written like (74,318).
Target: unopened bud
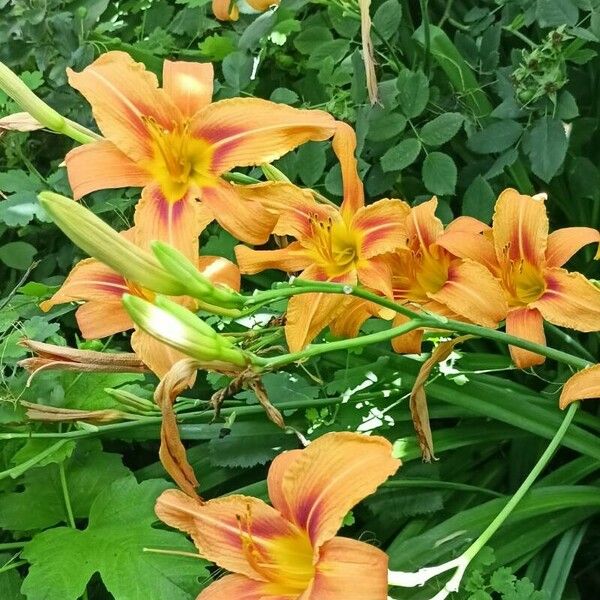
(101,241)
(273,173)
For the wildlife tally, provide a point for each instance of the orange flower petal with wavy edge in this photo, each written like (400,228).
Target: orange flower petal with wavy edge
(309,314)
(584,385)
(349,569)
(157,356)
(474,293)
(381,227)
(262,5)
(466,224)
(292,258)
(570,300)
(225,10)
(520,227)
(331,476)
(220,271)
(423,228)
(355,313)
(100,166)
(176,223)
(123,95)
(189,85)
(409,343)
(97,319)
(472,246)
(564,243)
(298,219)
(344,146)
(376,274)
(250,131)
(528,324)
(246,220)
(238,533)
(238,587)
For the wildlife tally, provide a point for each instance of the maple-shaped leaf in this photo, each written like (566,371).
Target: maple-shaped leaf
(62,560)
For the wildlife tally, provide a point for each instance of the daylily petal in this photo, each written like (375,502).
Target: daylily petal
(176,223)
(189,85)
(245,219)
(355,313)
(584,385)
(238,587)
(376,274)
(473,246)
(251,131)
(528,324)
(219,529)
(473,292)
(309,314)
(292,258)
(299,218)
(383,227)
(101,166)
(409,343)
(281,463)
(97,319)
(564,243)
(225,10)
(262,5)
(123,95)
(570,300)
(157,356)
(467,225)
(344,146)
(349,570)
(423,228)
(220,271)
(520,228)
(331,476)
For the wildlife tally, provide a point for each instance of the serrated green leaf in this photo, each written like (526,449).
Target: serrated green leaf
(439,173)
(496,137)
(413,92)
(311,161)
(387,18)
(479,200)
(553,13)
(546,145)
(401,156)
(63,560)
(441,129)
(384,125)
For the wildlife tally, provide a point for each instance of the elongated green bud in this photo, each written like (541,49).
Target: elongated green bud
(183,331)
(102,242)
(12,85)
(273,173)
(197,285)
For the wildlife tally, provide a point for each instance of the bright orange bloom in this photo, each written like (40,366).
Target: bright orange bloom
(102,314)
(289,551)
(527,261)
(584,385)
(176,145)
(343,245)
(227,10)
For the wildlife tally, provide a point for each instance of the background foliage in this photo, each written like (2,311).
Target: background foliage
(475,97)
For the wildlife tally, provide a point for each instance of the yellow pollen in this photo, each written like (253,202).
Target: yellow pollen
(179,160)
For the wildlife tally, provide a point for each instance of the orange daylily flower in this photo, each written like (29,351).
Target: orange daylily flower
(584,385)
(290,551)
(227,10)
(102,314)
(343,245)
(527,261)
(176,144)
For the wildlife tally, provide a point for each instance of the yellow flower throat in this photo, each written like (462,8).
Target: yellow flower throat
(179,160)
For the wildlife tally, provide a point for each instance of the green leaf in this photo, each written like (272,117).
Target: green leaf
(17,255)
(10,580)
(237,69)
(311,161)
(63,560)
(479,200)
(496,137)
(401,156)
(311,38)
(36,446)
(413,88)
(20,208)
(384,125)
(216,47)
(553,13)
(386,19)
(441,129)
(439,173)
(41,503)
(257,30)
(284,96)
(546,145)
(85,391)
